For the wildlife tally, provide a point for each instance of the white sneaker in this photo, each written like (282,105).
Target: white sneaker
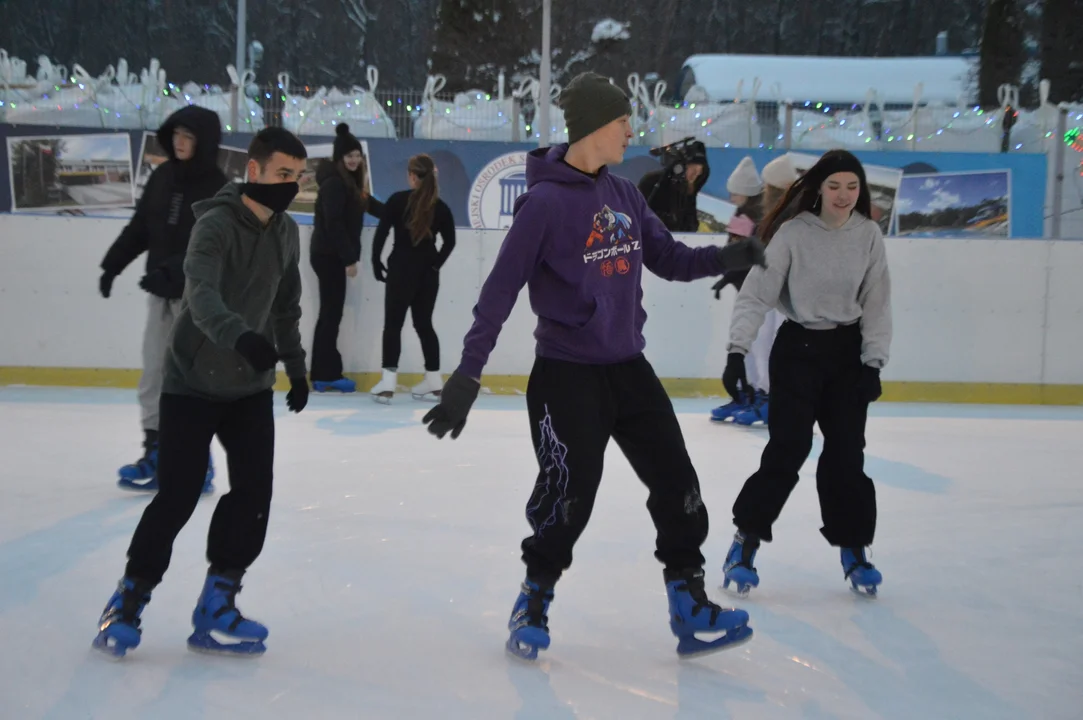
(429,388)
(383,391)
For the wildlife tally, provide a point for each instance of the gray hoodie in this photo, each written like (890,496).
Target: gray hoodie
(240,276)
(821,278)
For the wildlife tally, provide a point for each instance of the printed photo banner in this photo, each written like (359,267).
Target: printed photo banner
(480,181)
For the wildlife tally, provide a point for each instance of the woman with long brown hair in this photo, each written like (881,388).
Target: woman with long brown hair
(412,273)
(341,204)
(827,272)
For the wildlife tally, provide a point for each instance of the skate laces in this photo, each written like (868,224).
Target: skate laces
(534,612)
(132,601)
(695,588)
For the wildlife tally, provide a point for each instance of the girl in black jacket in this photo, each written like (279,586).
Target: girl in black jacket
(412,273)
(341,204)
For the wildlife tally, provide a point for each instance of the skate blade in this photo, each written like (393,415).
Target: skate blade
(131,486)
(204,643)
(740,590)
(865,591)
(427,397)
(382,399)
(690,646)
(109,647)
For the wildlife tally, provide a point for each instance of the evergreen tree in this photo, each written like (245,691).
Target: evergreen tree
(1061,48)
(1002,52)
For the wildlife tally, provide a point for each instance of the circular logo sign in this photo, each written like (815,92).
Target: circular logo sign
(495,189)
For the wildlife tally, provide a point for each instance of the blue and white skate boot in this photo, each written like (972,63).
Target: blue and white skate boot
(529,621)
(863,577)
(216,612)
(756,414)
(738,568)
(725,413)
(142,474)
(691,612)
(118,627)
(342,385)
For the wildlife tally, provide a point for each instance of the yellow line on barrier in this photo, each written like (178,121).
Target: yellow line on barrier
(932,392)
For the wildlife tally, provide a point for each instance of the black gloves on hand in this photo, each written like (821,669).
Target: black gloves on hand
(156,282)
(105,283)
(380,270)
(734,378)
(257,350)
(456,399)
(869,384)
(742,254)
(718,287)
(297,397)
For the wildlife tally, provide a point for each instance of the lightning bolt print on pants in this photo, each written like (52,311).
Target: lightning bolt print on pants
(548,503)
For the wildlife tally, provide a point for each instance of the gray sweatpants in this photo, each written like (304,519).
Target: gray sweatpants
(161,314)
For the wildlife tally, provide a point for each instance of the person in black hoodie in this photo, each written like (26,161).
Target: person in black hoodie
(160,227)
(341,204)
(412,273)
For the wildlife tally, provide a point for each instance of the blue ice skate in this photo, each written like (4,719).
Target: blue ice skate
(863,577)
(756,414)
(342,385)
(142,475)
(725,413)
(118,627)
(691,612)
(216,612)
(529,621)
(738,567)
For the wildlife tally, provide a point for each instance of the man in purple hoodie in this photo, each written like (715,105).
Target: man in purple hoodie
(580,240)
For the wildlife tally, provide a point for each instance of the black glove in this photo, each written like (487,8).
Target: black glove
(105,284)
(869,384)
(456,399)
(156,282)
(742,254)
(257,350)
(380,270)
(718,286)
(734,378)
(297,397)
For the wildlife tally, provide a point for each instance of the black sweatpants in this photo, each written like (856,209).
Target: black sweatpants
(815,377)
(246,430)
(326,360)
(411,287)
(574,410)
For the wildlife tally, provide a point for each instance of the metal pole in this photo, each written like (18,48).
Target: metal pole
(242,15)
(541,117)
(1058,171)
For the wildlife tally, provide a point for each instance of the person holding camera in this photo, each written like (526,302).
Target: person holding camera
(671,191)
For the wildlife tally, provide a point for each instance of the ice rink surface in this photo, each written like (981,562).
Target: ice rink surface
(392,563)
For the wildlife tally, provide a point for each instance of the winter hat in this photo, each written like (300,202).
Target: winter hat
(780,173)
(345,143)
(744,180)
(591,102)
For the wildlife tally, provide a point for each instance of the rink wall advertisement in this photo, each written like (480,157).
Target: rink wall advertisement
(915,194)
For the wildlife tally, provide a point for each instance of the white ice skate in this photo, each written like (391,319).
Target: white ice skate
(384,391)
(429,388)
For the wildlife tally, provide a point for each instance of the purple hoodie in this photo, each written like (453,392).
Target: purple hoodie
(580,244)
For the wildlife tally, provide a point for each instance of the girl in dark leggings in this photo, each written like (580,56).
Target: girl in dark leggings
(827,273)
(412,273)
(341,204)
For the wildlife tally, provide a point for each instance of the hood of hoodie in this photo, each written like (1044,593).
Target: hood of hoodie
(855,221)
(207,128)
(545,165)
(324,170)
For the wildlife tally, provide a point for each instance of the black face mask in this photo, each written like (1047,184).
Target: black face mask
(276,197)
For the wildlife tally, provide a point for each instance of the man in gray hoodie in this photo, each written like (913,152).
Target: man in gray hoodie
(240,316)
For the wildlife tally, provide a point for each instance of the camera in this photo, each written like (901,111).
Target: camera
(676,156)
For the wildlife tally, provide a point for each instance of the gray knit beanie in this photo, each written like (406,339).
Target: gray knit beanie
(591,102)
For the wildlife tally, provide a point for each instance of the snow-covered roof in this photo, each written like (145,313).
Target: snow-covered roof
(946,79)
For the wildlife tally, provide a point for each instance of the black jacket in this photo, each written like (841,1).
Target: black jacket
(404,254)
(163,216)
(336,228)
(673,204)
